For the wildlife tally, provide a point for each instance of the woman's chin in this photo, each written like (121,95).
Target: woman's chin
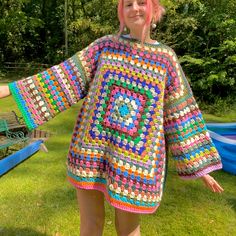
(136,26)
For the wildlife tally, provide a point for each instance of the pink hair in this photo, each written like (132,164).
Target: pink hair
(155,13)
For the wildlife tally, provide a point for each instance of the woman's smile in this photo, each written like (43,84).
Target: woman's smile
(136,16)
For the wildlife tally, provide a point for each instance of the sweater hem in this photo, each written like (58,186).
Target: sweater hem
(203,172)
(115,203)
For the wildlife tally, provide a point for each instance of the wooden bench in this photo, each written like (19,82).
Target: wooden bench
(14,122)
(9,138)
(13,131)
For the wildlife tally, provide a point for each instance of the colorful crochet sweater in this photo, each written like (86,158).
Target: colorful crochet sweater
(137,105)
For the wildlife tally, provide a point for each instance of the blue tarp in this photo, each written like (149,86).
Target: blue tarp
(224,137)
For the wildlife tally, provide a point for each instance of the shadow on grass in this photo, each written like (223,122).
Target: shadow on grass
(20,232)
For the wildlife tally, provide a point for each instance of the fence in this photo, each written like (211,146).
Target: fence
(24,67)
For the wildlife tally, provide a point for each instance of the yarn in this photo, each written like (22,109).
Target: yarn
(137,104)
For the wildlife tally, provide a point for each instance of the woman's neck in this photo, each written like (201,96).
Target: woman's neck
(138,35)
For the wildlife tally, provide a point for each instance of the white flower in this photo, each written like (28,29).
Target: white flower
(111,187)
(139,197)
(43,109)
(120,163)
(140,170)
(125,192)
(118,190)
(127,166)
(132,195)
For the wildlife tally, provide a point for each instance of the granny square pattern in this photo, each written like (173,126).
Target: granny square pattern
(137,108)
(123,112)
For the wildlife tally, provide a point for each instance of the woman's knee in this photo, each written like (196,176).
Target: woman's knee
(91,227)
(127,223)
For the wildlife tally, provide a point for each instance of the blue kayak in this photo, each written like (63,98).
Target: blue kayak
(16,158)
(224,137)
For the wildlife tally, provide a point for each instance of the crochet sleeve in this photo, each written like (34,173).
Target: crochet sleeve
(42,96)
(187,138)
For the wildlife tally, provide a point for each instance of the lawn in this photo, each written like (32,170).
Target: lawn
(36,198)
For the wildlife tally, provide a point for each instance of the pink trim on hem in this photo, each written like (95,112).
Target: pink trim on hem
(202,172)
(108,198)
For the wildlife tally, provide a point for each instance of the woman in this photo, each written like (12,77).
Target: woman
(137,103)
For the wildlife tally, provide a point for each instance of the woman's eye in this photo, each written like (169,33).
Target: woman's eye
(142,3)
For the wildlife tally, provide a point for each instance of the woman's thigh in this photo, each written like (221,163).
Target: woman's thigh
(91,204)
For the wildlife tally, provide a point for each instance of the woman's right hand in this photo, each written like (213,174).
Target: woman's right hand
(4,91)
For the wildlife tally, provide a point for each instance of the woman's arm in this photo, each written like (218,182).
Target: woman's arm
(4,91)
(186,133)
(42,96)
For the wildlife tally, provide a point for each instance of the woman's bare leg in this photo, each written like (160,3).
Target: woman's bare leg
(127,223)
(92,213)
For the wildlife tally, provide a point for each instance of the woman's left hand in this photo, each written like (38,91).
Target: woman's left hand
(212,184)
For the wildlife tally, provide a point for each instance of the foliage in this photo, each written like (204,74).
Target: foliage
(89,20)
(18,31)
(203,34)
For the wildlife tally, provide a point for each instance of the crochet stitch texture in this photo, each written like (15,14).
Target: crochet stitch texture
(137,104)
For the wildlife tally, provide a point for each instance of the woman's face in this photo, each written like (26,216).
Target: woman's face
(135,13)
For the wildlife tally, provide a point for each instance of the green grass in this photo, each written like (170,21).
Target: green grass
(36,199)
(229,117)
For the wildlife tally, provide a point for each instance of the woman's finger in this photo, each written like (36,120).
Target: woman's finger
(213,185)
(216,187)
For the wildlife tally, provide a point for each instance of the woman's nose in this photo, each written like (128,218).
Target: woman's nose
(135,6)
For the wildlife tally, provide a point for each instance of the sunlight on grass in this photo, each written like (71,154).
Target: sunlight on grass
(230,117)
